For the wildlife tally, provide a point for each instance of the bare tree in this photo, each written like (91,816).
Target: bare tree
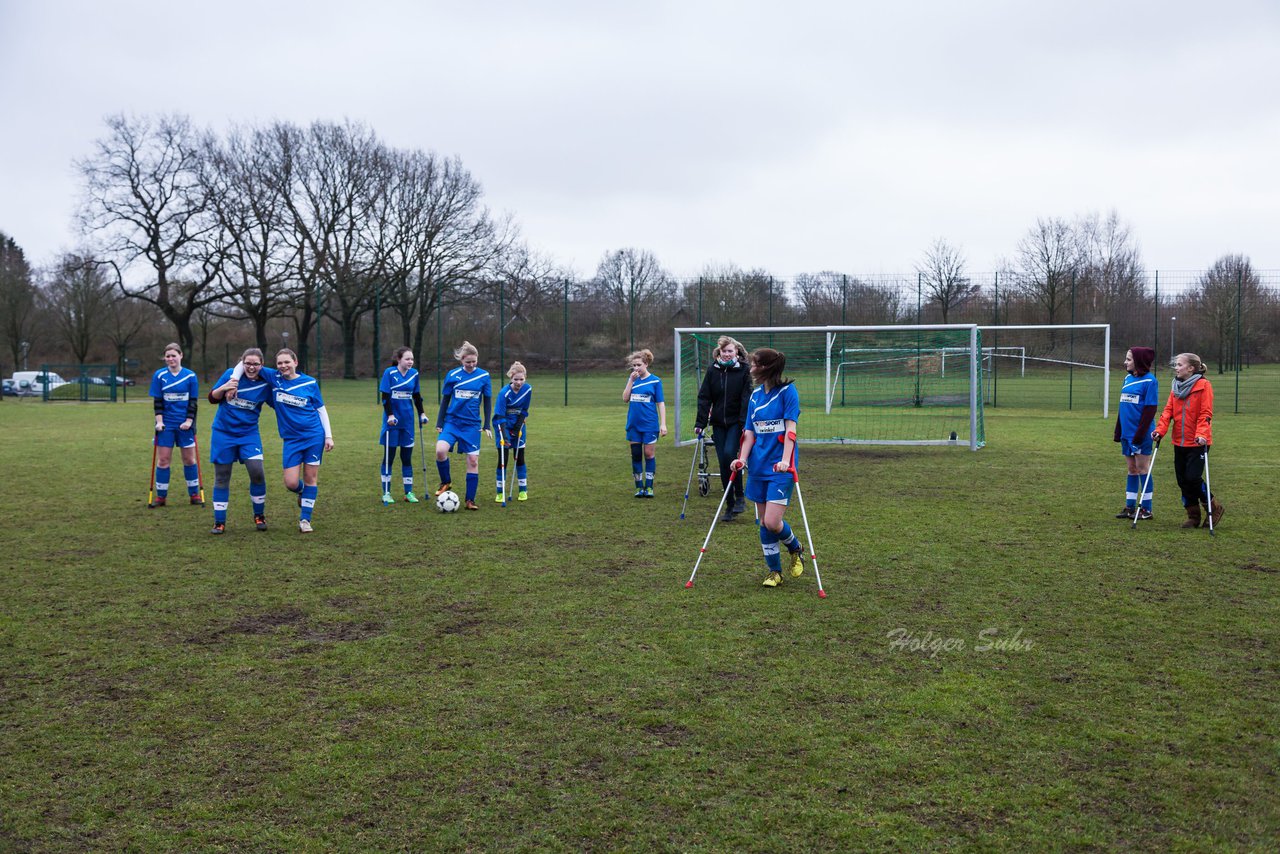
(337,183)
(124,320)
(1111,278)
(437,238)
(1230,298)
(821,296)
(79,293)
(17,297)
(1047,258)
(247,197)
(634,285)
(942,275)
(146,206)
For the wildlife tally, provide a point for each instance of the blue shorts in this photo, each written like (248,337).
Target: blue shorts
(299,451)
(170,436)
(760,491)
(519,440)
(1128,449)
(397,437)
(644,437)
(224,449)
(466,440)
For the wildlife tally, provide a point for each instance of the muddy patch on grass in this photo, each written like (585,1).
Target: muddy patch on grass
(670,735)
(279,620)
(1257,567)
(462,618)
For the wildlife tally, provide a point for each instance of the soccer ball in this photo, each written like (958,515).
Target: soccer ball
(447,502)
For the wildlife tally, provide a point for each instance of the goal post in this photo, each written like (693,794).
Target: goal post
(1061,366)
(858,385)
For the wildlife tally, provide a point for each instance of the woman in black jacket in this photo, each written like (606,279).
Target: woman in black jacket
(722,402)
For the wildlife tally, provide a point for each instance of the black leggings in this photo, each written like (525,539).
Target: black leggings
(406,456)
(1188,468)
(727,441)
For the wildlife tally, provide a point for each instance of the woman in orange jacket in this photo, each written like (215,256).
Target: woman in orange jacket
(1189,414)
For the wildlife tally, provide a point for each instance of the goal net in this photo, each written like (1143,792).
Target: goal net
(858,385)
(1054,367)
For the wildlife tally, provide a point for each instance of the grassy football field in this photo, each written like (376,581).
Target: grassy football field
(999,662)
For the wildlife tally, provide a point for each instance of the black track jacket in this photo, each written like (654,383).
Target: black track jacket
(724,393)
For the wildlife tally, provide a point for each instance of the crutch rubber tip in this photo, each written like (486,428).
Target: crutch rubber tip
(688,584)
(822,594)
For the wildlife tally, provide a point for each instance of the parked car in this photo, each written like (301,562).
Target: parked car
(19,388)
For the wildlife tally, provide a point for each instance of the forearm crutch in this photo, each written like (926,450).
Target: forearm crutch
(1151,465)
(1208,489)
(813,552)
(697,446)
(151,487)
(502,462)
(714,519)
(195,443)
(384,474)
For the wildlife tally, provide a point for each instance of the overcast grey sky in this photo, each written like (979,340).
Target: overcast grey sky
(793,137)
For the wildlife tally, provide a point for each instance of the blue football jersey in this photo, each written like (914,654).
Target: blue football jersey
(466,393)
(767,414)
(642,409)
(402,388)
(1137,393)
(176,390)
(238,416)
(512,406)
(295,402)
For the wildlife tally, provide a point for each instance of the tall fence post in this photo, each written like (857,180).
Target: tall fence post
(566,342)
(1071,348)
(502,325)
(1239,315)
(1155,333)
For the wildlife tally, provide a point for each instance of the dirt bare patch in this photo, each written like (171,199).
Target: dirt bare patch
(671,735)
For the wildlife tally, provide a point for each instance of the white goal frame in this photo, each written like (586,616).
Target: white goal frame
(1071,327)
(974,352)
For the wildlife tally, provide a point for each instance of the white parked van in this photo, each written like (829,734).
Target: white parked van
(37,379)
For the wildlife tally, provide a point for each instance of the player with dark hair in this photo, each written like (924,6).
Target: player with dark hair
(769,453)
(176,392)
(235,438)
(1138,401)
(401,395)
(466,391)
(646,420)
(509,428)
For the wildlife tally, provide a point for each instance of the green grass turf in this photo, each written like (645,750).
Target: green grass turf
(538,677)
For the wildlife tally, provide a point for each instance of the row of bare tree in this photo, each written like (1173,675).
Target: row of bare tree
(280,224)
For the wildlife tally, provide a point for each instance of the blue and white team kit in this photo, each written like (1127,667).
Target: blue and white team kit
(642,410)
(401,388)
(767,415)
(511,410)
(461,421)
(234,437)
(296,403)
(176,391)
(1136,394)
